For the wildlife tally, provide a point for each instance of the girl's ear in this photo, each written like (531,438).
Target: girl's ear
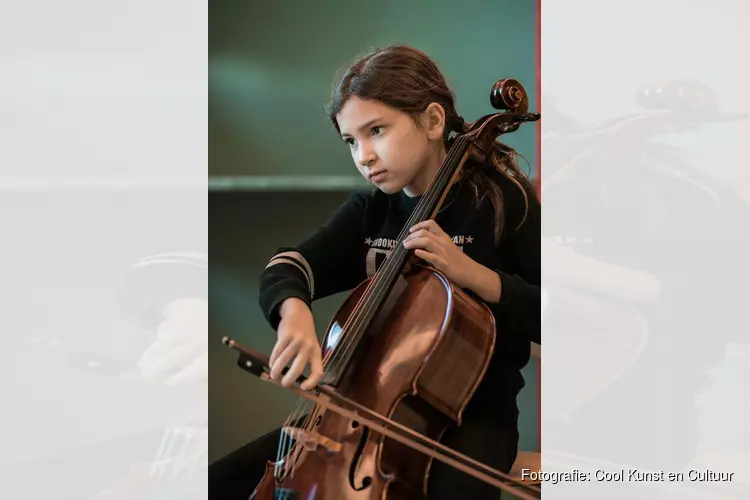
(433,121)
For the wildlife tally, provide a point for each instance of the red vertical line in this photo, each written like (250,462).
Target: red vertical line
(745,75)
(538,75)
(538,57)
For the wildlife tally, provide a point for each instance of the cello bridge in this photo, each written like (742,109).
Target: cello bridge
(312,440)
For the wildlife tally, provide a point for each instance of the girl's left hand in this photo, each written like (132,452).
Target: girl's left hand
(432,244)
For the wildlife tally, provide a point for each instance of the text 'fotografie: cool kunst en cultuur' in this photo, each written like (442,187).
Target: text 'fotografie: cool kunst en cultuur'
(625,475)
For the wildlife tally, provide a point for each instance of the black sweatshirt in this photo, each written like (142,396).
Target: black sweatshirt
(355,241)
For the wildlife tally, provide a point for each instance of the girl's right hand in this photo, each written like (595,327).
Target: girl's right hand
(297,346)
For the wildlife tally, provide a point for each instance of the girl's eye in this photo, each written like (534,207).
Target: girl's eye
(349,141)
(376,130)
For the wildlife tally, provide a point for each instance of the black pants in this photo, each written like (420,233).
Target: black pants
(486,437)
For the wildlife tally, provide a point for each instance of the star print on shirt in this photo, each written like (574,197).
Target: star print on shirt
(462,239)
(368,241)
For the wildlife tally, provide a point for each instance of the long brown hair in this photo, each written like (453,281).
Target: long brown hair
(406,79)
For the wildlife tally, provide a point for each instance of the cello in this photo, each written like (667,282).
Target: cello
(402,356)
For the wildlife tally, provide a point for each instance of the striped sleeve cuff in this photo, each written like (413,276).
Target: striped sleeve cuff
(297,260)
(288,274)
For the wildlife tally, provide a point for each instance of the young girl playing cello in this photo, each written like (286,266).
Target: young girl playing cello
(394,111)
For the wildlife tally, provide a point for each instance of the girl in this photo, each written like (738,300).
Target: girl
(394,111)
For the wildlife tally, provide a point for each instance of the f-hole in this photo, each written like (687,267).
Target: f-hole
(367,481)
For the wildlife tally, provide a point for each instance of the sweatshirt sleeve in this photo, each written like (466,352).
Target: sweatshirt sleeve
(328,262)
(520,298)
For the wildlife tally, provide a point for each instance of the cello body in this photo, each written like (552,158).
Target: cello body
(419,364)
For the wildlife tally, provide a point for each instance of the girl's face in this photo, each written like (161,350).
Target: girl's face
(387,146)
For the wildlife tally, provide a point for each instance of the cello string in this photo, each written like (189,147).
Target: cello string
(307,426)
(350,334)
(370,300)
(284,447)
(292,448)
(355,326)
(287,443)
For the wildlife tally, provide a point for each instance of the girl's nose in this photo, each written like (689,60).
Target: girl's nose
(366,156)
